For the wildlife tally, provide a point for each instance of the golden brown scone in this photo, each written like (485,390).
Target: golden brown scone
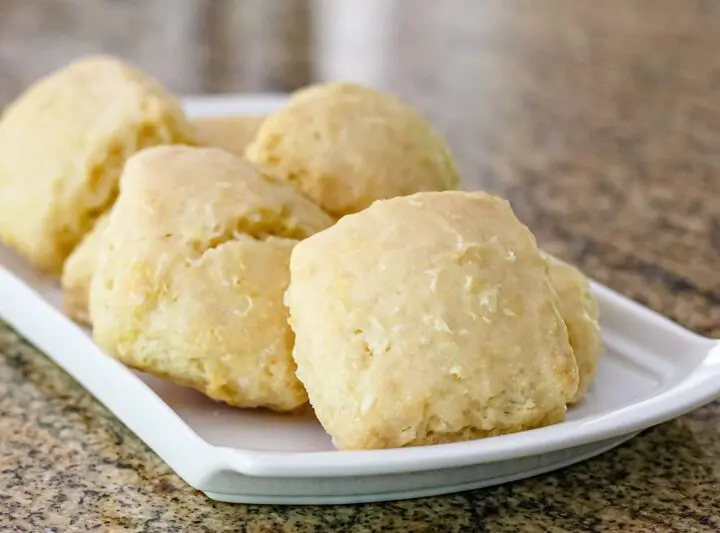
(428,319)
(579,310)
(346,146)
(191,274)
(62,147)
(78,271)
(231,133)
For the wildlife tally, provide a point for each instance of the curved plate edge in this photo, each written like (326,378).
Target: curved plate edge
(442,488)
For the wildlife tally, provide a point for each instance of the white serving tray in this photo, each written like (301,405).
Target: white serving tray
(653,370)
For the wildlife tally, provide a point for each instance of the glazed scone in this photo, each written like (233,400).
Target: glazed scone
(231,133)
(579,310)
(62,147)
(346,146)
(191,274)
(78,271)
(428,319)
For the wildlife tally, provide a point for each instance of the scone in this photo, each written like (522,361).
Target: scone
(62,147)
(428,319)
(78,271)
(579,310)
(346,146)
(191,274)
(231,133)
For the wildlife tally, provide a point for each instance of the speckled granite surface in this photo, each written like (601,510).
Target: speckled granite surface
(600,122)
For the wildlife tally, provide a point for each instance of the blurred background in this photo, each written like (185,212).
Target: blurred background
(600,121)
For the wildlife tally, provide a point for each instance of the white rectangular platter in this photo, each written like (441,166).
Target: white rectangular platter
(653,370)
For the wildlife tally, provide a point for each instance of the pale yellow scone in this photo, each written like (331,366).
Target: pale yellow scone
(428,319)
(346,146)
(579,310)
(231,133)
(62,147)
(191,273)
(78,271)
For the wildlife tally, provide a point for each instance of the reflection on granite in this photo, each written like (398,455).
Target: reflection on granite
(601,123)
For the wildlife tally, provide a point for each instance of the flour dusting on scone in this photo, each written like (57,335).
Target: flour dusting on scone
(191,274)
(428,319)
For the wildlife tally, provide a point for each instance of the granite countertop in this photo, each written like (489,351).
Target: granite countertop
(599,121)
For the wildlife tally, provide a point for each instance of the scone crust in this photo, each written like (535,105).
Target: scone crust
(579,309)
(231,133)
(191,274)
(346,146)
(62,146)
(428,319)
(78,271)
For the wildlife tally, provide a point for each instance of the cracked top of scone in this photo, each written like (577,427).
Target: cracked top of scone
(212,194)
(62,147)
(346,146)
(191,273)
(428,319)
